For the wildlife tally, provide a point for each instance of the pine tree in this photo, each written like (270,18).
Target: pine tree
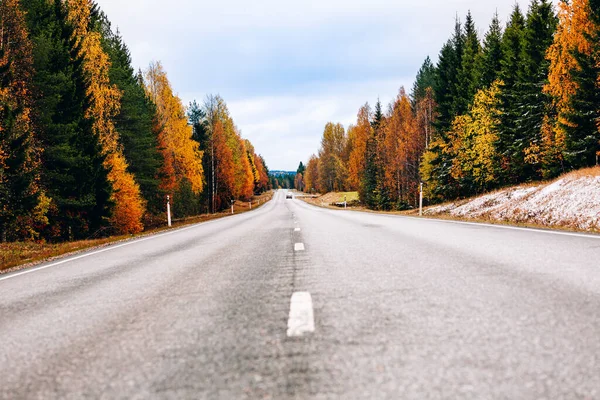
(301,168)
(73,171)
(467,80)
(376,192)
(511,65)
(425,79)
(202,135)
(446,86)
(530,101)
(490,60)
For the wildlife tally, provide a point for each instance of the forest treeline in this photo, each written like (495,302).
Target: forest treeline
(90,146)
(518,105)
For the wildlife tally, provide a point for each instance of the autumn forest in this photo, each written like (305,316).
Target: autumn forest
(518,105)
(89,146)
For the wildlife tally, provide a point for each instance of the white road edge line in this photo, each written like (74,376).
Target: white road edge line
(111,247)
(549,231)
(299,247)
(301,319)
(514,228)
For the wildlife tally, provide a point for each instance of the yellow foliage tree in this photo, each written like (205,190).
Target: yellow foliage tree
(104,106)
(473,139)
(182,155)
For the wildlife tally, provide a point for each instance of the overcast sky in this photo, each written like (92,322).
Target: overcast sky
(286,68)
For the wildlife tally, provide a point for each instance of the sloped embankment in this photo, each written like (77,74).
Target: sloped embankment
(571,201)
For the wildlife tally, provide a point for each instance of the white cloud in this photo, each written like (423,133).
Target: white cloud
(287,68)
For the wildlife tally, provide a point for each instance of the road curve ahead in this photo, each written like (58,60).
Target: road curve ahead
(291,301)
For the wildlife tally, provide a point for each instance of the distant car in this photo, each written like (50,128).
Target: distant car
(288,195)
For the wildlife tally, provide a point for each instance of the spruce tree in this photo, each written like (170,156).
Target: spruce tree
(301,168)
(490,60)
(467,80)
(202,135)
(446,83)
(426,78)
(511,65)
(532,104)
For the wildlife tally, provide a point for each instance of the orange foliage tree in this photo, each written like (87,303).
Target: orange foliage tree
(311,175)
(574,43)
(357,158)
(23,204)
(402,151)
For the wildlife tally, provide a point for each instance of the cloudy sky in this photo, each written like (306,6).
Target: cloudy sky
(286,68)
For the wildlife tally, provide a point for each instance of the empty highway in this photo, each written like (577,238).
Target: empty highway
(291,301)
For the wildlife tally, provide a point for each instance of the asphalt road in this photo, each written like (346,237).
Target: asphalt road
(402,308)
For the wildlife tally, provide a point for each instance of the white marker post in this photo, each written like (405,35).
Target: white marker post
(421,201)
(168,211)
(232,201)
(345,203)
(250,204)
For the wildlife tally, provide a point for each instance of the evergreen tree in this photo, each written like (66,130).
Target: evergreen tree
(446,87)
(73,172)
(377,116)
(447,91)
(368,185)
(530,101)
(510,73)
(301,168)
(467,80)
(374,182)
(426,78)
(490,60)
(202,135)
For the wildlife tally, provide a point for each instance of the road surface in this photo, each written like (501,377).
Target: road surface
(294,301)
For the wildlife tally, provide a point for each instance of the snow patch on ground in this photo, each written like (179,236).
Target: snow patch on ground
(571,201)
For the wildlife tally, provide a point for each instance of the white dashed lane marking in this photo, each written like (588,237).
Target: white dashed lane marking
(301,318)
(297,230)
(299,247)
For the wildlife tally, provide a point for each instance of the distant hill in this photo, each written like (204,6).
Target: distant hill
(281,173)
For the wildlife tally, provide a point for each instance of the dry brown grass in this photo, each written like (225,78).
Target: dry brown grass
(23,254)
(326,200)
(580,173)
